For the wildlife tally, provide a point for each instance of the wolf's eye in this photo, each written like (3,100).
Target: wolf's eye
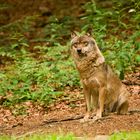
(85,43)
(75,45)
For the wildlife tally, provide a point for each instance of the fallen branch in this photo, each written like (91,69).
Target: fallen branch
(70,118)
(134,111)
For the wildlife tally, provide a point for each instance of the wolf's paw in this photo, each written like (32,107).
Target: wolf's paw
(85,119)
(96,118)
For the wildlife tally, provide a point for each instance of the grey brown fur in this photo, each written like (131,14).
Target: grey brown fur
(101,87)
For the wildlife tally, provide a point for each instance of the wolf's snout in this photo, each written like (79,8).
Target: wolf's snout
(79,50)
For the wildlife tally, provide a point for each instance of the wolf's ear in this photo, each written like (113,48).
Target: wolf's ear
(73,34)
(89,31)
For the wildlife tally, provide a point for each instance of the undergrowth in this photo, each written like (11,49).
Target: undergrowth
(38,67)
(116,136)
(38,80)
(40,137)
(125,136)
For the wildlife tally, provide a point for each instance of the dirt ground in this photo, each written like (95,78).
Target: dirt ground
(55,119)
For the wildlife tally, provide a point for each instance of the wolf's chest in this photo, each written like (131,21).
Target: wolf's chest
(86,69)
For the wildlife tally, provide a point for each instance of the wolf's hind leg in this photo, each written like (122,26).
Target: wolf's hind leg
(123,108)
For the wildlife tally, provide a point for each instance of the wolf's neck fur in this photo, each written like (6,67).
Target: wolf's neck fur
(88,65)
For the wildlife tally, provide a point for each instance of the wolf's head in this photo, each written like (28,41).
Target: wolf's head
(83,45)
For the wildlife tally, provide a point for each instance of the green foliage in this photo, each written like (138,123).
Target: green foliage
(57,30)
(41,80)
(116,136)
(125,136)
(40,137)
(37,65)
(124,55)
(53,137)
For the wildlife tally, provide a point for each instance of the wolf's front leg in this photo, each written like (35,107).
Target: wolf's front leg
(88,105)
(101,101)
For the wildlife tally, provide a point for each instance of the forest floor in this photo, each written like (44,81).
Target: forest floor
(64,115)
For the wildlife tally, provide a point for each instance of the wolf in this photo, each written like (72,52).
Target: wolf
(102,88)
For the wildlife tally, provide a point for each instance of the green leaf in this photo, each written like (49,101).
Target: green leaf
(137,58)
